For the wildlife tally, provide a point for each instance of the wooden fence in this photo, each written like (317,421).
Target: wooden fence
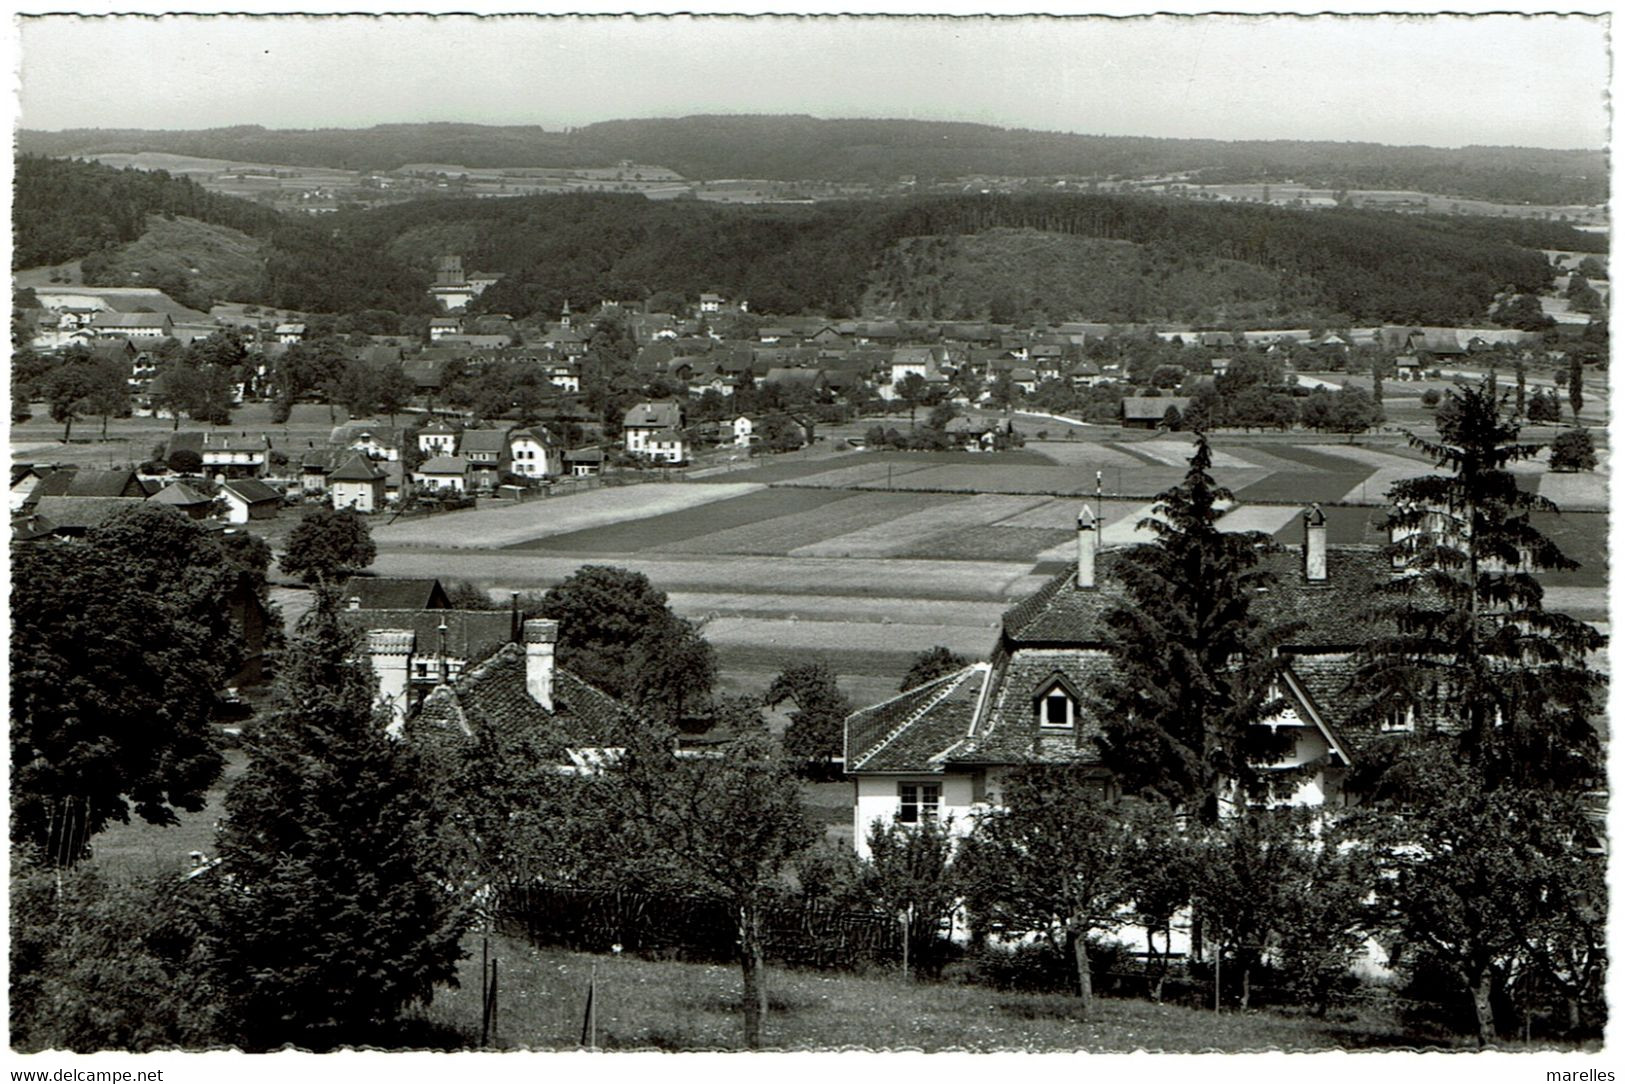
(695,928)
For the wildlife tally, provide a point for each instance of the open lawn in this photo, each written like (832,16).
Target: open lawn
(788,533)
(138,850)
(669,1005)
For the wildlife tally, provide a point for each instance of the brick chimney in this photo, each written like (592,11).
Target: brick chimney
(540,638)
(1314,544)
(1088,543)
(390,651)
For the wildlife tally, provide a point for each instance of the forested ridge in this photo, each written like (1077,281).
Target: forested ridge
(817,149)
(1365,266)
(1188,261)
(63,210)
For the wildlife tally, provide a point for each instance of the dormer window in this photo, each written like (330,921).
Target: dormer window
(1400,719)
(1056,703)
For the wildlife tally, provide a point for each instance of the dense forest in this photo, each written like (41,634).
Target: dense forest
(1338,265)
(63,210)
(797,148)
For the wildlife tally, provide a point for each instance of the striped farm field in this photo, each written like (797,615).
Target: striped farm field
(785,534)
(917,531)
(663,529)
(490,528)
(991,543)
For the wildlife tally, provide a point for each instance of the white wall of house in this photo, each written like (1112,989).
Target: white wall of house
(879,797)
(533,459)
(433,444)
(453,483)
(362,496)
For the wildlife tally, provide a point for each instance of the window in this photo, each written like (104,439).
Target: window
(1400,719)
(918,802)
(1057,709)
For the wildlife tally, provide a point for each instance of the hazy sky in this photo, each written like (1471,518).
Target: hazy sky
(1442,80)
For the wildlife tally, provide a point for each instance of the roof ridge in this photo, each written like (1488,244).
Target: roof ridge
(915,716)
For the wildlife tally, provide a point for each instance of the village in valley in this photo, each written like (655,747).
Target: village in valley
(430,642)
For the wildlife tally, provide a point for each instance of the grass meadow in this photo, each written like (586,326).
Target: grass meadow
(667,1005)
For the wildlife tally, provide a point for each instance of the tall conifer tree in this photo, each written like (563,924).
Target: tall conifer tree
(1193,664)
(336,909)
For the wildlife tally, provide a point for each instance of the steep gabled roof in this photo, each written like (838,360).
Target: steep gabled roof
(394,593)
(180,495)
(252,490)
(493,696)
(913,729)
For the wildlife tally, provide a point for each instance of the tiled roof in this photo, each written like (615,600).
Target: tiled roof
(178,494)
(1007,732)
(483,442)
(470,634)
(492,695)
(357,469)
(654,416)
(90,483)
(1152,408)
(906,732)
(1334,612)
(444,464)
(393,593)
(253,490)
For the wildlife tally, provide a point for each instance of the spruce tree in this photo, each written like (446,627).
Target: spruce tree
(1193,664)
(1471,634)
(335,909)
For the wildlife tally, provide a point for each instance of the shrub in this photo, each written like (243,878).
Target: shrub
(1574,450)
(1431,397)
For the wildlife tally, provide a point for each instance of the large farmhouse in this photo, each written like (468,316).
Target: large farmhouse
(943,750)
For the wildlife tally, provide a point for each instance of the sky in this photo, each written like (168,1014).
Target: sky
(1438,80)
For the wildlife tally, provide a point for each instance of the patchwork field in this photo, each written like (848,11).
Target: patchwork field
(863,559)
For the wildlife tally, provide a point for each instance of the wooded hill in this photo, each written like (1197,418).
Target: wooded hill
(794,148)
(1064,256)
(63,210)
(1343,266)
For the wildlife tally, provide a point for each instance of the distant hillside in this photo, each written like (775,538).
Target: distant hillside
(191,261)
(62,210)
(1087,257)
(1004,274)
(795,148)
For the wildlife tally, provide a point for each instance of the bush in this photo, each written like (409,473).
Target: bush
(1037,967)
(1574,450)
(1431,397)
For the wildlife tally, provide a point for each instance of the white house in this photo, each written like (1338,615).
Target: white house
(358,484)
(644,420)
(437,438)
(249,498)
(534,454)
(442,326)
(443,474)
(946,748)
(132,324)
(289,333)
(744,431)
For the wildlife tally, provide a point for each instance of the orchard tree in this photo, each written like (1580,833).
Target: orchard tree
(328,545)
(671,670)
(1194,666)
(1055,859)
(71,391)
(727,827)
(337,907)
(819,715)
(119,645)
(1576,386)
(617,632)
(910,873)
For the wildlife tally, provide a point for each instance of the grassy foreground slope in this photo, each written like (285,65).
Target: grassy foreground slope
(666,1005)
